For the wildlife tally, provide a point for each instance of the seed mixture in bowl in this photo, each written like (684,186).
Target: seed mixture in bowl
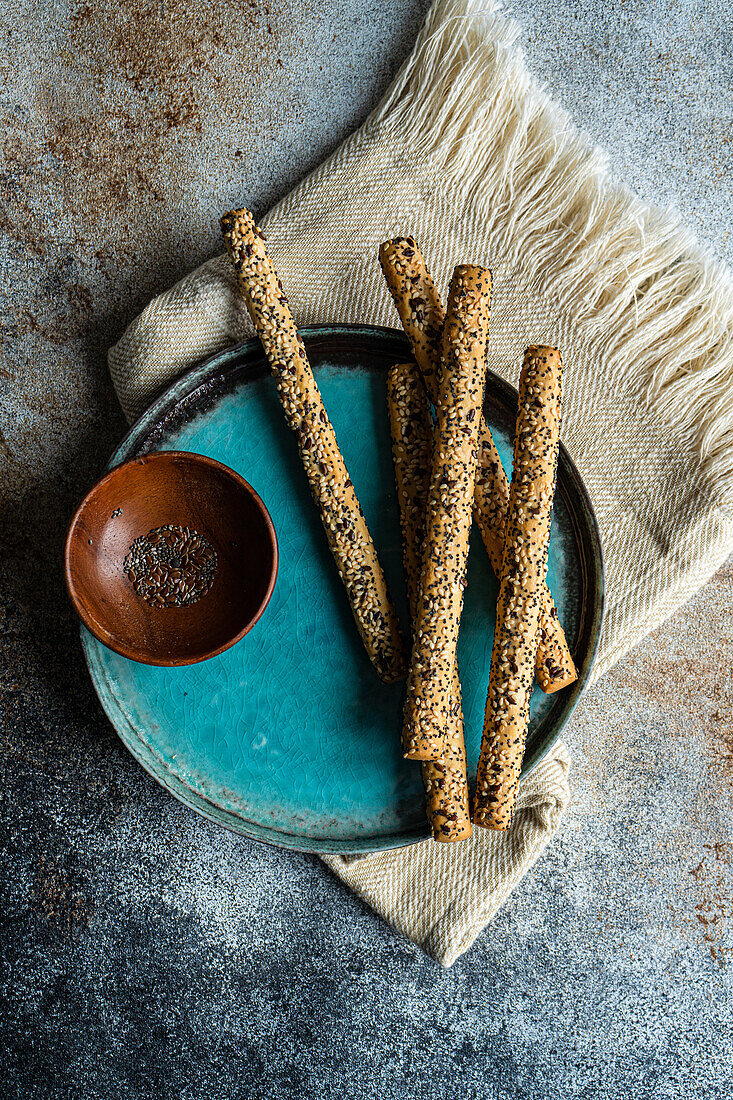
(171,566)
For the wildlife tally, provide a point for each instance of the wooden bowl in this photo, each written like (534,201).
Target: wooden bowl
(171,558)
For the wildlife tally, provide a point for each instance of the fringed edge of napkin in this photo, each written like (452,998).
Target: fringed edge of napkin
(658,303)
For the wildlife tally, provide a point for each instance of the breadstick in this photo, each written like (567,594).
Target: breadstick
(422,315)
(448,514)
(445,780)
(343,520)
(524,566)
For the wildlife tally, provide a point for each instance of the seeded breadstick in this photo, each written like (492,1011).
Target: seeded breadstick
(446,785)
(422,315)
(448,514)
(333,492)
(536,444)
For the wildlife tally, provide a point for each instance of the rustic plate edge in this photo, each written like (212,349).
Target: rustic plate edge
(168,397)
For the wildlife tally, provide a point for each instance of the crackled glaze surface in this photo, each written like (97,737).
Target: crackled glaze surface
(290,736)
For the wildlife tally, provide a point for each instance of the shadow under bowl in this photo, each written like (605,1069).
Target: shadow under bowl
(171,558)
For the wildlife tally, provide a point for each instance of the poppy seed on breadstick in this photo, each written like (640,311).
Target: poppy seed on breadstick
(422,314)
(536,445)
(411,423)
(447,514)
(343,520)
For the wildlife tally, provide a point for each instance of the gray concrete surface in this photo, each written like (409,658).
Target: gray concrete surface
(145,953)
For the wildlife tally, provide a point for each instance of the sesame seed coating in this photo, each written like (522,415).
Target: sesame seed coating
(445,780)
(422,314)
(524,566)
(447,515)
(343,520)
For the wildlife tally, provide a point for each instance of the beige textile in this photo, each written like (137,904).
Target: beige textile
(471,157)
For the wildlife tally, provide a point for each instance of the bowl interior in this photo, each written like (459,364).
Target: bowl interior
(226,582)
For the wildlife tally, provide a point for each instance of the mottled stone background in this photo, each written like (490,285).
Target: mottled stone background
(146,953)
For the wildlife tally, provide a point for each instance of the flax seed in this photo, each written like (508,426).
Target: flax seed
(150,567)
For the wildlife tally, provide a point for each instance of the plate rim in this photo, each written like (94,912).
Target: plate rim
(161,405)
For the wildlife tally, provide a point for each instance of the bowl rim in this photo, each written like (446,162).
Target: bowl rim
(97,628)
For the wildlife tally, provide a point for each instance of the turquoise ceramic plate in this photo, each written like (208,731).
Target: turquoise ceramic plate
(289,737)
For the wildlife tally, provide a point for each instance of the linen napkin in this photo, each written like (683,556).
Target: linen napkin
(468,154)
